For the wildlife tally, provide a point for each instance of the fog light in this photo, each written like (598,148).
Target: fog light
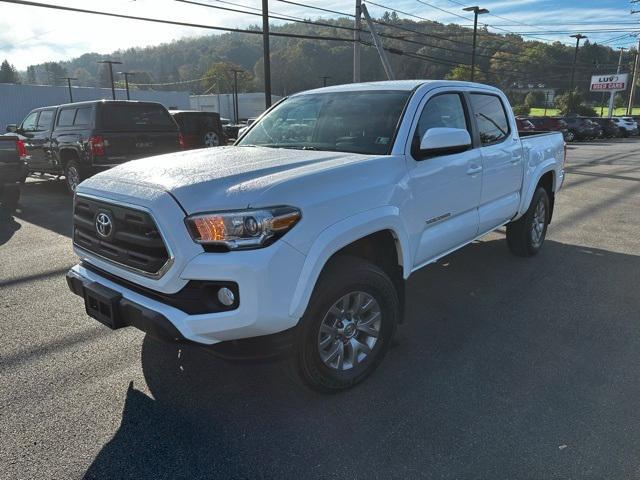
(226,297)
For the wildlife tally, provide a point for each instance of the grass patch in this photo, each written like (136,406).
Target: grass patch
(553,112)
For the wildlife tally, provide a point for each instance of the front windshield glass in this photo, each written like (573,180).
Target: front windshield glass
(358,122)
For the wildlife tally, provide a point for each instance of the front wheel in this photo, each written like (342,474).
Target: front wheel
(571,136)
(526,235)
(348,325)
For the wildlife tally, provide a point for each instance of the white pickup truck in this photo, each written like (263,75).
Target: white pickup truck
(299,238)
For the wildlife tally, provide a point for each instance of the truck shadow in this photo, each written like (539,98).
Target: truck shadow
(47,204)
(506,368)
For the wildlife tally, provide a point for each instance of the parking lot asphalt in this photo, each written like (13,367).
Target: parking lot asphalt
(507,368)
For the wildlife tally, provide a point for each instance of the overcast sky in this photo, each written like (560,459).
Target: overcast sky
(30,35)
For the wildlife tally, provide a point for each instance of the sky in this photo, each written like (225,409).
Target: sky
(31,35)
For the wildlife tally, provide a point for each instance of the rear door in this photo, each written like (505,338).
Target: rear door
(502,160)
(135,130)
(445,189)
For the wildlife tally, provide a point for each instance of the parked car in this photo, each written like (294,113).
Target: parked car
(230,130)
(607,125)
(524,125)
(550,124)
(13,171)
(579,128)
(80,139)
(199,129)
(595,130)
(301,236)
(249,122)
(626,126)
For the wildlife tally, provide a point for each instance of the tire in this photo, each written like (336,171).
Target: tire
(74,174)
(571,136)
(211,139)
(526,235)
(324,356)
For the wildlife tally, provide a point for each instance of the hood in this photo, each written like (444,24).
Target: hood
(220,178)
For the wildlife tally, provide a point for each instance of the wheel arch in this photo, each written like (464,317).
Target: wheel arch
(370,235)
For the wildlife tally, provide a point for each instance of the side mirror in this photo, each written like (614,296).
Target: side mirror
(12,128)
(444,141)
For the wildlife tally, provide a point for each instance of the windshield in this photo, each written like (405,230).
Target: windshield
(358,122)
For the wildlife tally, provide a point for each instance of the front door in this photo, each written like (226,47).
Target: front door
(445,189)
(39,143)
(502,160)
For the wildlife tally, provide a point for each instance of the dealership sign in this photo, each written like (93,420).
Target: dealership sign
(609,83)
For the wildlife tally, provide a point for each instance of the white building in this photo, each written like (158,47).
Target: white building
(249,104)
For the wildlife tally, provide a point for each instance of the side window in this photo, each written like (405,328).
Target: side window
(83,117)
(65,118)
(444,110)
(29,123)
(491,118)
(45,120)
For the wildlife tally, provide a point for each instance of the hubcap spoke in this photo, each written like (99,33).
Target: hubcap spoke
(349,331)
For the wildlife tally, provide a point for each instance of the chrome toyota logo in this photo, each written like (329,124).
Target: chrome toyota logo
(104,225)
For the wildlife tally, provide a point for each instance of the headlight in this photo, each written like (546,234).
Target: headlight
(243,229)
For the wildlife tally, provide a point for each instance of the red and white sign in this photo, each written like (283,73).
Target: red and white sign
(609,83)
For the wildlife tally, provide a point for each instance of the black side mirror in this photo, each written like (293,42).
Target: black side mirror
(12,128)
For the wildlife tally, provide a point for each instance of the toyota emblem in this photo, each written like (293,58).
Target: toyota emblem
(104,225)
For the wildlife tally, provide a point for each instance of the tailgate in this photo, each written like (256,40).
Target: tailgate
(120,147)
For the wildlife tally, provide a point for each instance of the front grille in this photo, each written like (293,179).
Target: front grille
(132,238)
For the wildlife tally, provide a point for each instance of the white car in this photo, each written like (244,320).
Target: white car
(626,125)
(300,238)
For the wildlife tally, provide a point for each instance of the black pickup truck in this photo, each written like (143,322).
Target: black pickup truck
(80,139)
(13,170)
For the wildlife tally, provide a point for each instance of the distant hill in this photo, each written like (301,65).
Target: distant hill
(431,50)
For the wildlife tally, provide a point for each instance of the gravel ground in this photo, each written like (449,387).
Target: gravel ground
(507,368)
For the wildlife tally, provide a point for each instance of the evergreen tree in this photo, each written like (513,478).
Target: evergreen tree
(8,73)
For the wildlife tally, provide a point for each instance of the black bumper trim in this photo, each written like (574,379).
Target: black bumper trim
(132,314)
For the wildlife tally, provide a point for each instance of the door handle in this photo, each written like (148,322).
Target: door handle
(474,170)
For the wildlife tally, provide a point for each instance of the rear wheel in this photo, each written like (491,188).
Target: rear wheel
(571,136)
(74,174)
(211,139)
(526,235)
(348,325)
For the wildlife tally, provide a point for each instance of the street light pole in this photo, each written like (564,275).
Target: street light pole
(578,37)
(356,42)
(634,78)
(612,98)
(68,79)
(111,63)
(126,81)
(267,55)
(236,107)
(476,11)
(324,80)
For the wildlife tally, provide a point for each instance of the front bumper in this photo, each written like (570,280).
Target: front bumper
(266,279)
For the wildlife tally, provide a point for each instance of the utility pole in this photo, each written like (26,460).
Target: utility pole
(578,37)
(376,40)
(356,42)
(126,81)
(236,108)
(68,79)
(612,98)
(634,79)
(324,80)
(267,54)
(476,11)
(111,63)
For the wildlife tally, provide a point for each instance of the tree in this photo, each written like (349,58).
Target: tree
(55,73)
(571,103)
(31,75)
(535,98)
(219,78)
(619,101)
(8,73)
(463,72)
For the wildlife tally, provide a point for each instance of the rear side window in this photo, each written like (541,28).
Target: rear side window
(29,123)
(45,120)
(65,119)
(197,123)
(83,116)
(491,118)
(136,117)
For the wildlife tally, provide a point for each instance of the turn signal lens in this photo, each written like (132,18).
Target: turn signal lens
(245,229)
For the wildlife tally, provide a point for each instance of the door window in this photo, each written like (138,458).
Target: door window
(45,120)
(442,111)
(83,117)
(491,118)
(65,119)
(29,123)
